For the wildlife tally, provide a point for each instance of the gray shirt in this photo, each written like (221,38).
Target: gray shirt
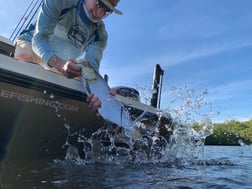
(64,29)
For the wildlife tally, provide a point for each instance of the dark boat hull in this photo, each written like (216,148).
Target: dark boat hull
(36,114)
(31,119)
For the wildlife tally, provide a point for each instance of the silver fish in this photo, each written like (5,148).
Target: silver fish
(111,109)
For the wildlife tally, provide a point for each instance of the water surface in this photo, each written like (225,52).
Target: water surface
(222,167)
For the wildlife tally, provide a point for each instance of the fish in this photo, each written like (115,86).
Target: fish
(111,109)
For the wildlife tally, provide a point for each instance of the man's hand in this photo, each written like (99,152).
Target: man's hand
(71,69)
(94,103)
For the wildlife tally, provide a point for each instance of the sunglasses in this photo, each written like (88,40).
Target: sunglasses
(103,6)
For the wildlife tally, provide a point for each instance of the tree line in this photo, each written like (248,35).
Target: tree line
(231,133)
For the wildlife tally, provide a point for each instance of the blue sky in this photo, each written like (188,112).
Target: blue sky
(200,44)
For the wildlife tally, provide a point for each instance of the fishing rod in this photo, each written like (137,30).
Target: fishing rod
(24,18)
(22,26)
(35,12)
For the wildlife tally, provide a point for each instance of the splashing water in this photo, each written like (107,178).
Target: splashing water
(191,126)
(184,145)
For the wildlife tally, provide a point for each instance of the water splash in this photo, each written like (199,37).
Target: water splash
(192,123)
(183,144)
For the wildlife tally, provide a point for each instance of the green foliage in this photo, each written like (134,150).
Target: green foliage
(231,133)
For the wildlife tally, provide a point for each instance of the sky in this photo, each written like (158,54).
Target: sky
(202,45)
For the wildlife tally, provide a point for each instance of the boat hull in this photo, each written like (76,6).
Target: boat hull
(38,124)
(39,116)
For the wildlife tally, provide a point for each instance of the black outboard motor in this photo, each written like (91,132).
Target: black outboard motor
(127,92)
(157,86)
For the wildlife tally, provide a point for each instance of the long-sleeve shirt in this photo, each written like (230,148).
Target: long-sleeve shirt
(64,29)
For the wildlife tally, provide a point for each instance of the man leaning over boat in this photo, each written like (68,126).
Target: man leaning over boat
(64,31)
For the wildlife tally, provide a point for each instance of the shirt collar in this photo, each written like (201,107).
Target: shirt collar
(83,13)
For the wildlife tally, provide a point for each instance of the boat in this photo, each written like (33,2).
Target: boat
(41,110)
(44,115)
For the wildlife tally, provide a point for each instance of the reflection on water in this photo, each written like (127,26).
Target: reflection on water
(111,158)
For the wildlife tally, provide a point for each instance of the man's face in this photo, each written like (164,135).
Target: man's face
(96,9)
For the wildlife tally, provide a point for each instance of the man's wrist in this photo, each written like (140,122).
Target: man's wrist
(56,63)
(52,61)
